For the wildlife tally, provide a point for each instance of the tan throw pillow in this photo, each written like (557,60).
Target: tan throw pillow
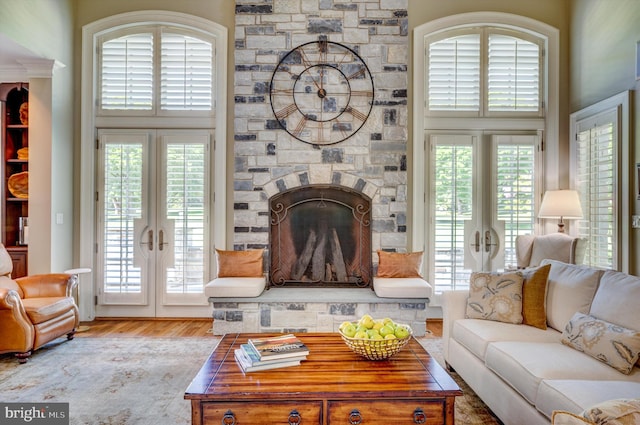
(614,345)
(239,263)
(495,297)
(615,412)
(395,264)
(534,296)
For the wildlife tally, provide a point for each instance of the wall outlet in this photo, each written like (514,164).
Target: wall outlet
(635,221)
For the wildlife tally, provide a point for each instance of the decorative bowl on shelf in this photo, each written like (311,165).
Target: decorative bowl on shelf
(24,113)
(377,349)
(23,153)
(19,185)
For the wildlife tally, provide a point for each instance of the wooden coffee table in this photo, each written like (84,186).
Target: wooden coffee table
(333,386)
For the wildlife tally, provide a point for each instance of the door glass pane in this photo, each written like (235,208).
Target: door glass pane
(122,205)
(515,193)
(185,208)
(453,206)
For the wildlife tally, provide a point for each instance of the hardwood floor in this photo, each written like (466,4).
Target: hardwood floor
(135,327)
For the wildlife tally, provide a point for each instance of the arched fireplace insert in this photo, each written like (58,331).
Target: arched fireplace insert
(320,235)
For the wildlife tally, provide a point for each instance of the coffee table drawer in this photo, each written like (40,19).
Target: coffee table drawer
(261,412)
(385,412)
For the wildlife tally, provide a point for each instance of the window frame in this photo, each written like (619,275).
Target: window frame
(156,110)
(484,31)
(618,104)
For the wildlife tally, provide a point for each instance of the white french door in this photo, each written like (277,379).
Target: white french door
(153,201)
(481,193)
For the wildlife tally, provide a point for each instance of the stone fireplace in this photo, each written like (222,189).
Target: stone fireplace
(269,162)
(320,236)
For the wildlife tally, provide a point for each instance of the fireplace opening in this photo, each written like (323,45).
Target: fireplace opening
(320,236)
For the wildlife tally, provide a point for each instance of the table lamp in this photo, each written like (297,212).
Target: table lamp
(562,204)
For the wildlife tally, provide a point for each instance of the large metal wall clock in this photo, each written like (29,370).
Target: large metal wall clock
(322,92)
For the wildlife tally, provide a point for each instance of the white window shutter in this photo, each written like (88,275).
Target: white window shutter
(513,75)
(454,74)
(127,72)
(186,76)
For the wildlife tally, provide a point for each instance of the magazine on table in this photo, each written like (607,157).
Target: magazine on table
(246,366)
(279,347)
(255,359)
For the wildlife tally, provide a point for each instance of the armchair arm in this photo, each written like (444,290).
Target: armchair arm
(48,285)
(16,333)
(454,307)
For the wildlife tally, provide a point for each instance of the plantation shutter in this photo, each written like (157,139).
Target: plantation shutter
(127,72)
(186,76)
(454,74)
(596,181)
(513,76)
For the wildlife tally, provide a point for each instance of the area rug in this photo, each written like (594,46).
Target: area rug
(116,381)
(470,410)
(140,381)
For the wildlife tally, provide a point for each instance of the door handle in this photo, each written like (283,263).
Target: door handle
(161,242)
(487,241)
(149,242)
(477,241)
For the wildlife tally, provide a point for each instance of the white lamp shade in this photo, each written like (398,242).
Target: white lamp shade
(563,204)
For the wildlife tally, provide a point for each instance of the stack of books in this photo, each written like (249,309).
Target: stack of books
(271,353)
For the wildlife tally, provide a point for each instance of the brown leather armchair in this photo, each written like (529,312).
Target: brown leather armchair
(34,309)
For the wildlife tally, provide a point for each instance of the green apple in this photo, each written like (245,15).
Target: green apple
(376,336)
(401,332)
(372,332)
(386,330)
(349,330)
(361,335)
(344,324)
(366,321)
(390,336)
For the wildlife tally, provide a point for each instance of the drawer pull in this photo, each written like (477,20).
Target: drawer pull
(355,417)
(419,417)
(229,418)
(294,417)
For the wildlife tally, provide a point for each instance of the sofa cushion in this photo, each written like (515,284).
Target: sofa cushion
(397,287)
(495,297)
(240,263)
(614,345)
(611,302)
(476,334)
(42,309)
(397,264)
(534,296)
(235,287)
(570,289)
(576,395)
(561,417)
(523,365)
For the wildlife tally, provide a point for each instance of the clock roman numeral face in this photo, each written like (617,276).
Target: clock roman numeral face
(321,92)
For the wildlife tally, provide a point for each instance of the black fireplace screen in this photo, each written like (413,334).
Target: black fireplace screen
(320,236)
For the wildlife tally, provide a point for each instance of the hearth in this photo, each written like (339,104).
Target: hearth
(320,236)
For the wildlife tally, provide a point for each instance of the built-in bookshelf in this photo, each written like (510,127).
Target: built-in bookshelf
(14,98)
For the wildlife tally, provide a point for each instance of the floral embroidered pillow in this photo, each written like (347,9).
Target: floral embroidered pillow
(495,297)
(614,345)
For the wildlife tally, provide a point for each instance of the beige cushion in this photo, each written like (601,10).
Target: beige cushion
(235,287)
(495,297)
(524,365)
(555,246)
(614,345)
(567,418)
(576,395)
(240,263)
(534,296)
(396,287)
(570,289)
(476,334)
(611,302)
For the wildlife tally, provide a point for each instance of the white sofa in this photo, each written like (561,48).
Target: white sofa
(524,373)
